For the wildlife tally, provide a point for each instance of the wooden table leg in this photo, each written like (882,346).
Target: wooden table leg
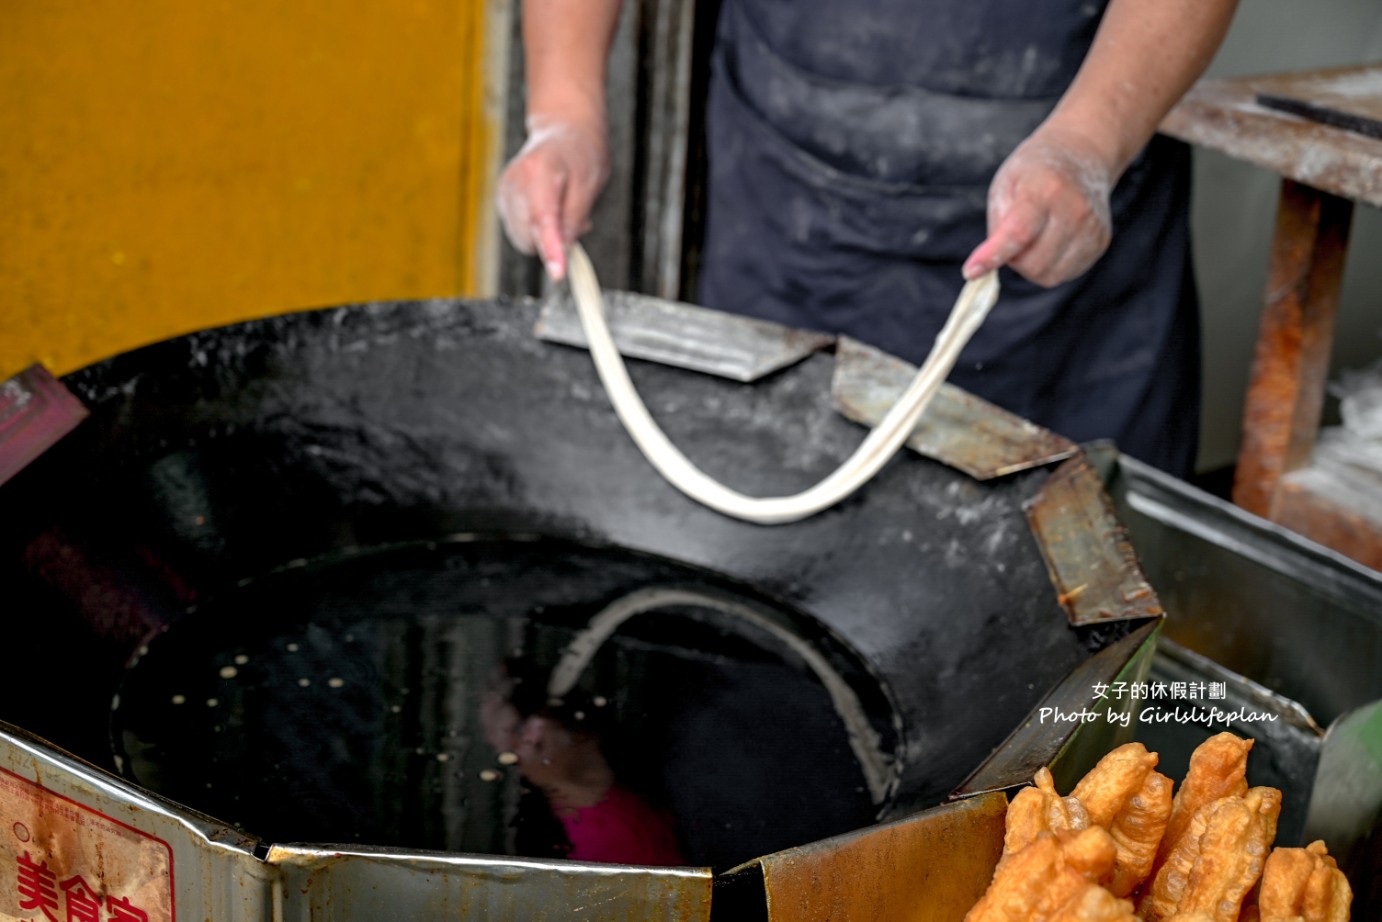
(1286,392)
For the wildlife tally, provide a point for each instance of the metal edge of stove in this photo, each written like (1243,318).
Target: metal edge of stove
(1175,658)
(1346,803)
(1205,699)
(1252,596)
(957,429)
(1093,580)
(1092,564)
(61,818)
(941,858)
(1151,492)
(66,824)
(1096,723)
(347,883)
(684,335)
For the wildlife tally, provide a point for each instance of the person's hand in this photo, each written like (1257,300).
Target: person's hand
(1048,210)
(547,190)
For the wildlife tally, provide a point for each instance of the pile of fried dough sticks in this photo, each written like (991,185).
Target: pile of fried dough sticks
(1121,848)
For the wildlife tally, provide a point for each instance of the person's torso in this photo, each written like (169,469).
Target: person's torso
(1006,49)
(930,94)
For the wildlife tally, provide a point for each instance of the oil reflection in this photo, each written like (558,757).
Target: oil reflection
(365,699)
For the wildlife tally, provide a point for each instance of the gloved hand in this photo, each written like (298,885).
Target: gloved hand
(1048,210)
(548,188)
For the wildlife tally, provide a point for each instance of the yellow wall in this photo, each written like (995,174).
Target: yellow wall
(169,165)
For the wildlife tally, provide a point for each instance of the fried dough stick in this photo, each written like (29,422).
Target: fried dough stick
(1217,861)
(1232,859)
(1094,904)
(1137,830)
(1108,786)
(1218,768)
(1127,796)
(1040,809)
(1034,882)
(1304,884)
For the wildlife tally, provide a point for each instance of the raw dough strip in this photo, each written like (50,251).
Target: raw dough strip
(882,443)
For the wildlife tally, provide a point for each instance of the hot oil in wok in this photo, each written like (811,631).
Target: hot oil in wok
(339,701)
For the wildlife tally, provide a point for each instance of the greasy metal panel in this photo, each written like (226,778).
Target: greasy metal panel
(200,163)
(1346,805)
(957,429)
(931,867)
(1224,115)
(361,885)
(1075,724)
(1235,587)
(35,412)
(1092,564)
(71,835)
(1287,741)
(684,335)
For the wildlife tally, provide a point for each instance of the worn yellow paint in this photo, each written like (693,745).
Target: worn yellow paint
(167,166)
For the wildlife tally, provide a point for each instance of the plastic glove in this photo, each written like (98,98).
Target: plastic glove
(1048,210)
(547,190)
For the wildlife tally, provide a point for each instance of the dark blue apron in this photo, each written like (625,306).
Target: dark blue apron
(851,147)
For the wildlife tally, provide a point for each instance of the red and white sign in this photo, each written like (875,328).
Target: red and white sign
(62,861)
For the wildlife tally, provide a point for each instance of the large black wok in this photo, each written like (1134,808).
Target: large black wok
(271,575)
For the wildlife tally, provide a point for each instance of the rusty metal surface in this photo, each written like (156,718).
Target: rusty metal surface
(35,412)
(1281,413)
(1092,564)
(1329,504)
(1090,722)
(1224,115)
(366,885)
(684,335)
(930,867)
(74,840)
(957,429)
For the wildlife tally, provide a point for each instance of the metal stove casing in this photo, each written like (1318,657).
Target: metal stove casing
(225,454)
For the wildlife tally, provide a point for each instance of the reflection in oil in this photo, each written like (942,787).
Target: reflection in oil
(342,701)
(559,746)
